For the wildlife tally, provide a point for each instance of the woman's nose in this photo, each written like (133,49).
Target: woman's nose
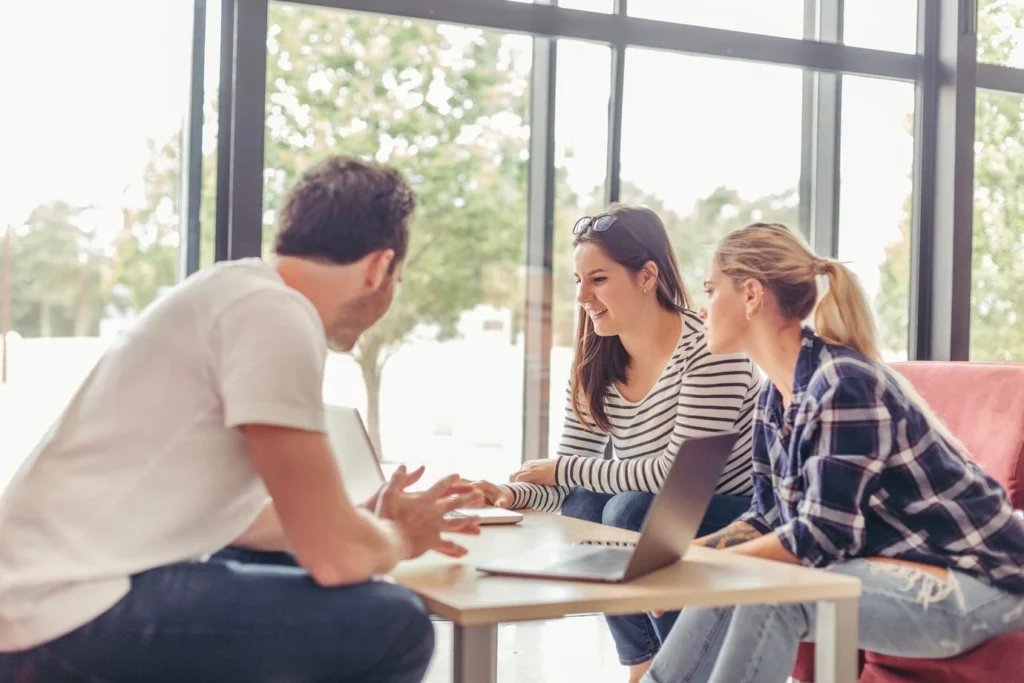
(583,294)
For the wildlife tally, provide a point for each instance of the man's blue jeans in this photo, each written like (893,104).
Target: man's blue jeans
(242,617)
(638,637)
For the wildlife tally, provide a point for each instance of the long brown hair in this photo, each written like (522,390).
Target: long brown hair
(635,238)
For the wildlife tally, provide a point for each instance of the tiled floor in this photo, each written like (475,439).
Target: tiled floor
(564,650)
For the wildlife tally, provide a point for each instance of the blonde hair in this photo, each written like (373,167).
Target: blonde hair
(783,262)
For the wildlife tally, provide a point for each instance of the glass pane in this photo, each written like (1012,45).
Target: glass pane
(881,25)
(89,172)
(710,161)
(208,207)
(581,148)
(769,17)
(439,379)
(876,188)
(997,287)
(1001,32)
(599,6)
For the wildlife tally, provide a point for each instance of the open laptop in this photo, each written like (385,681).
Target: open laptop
(361,471)
(670,527)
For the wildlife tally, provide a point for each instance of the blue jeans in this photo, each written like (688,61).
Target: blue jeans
(638,637)
(242,617)
(903,612)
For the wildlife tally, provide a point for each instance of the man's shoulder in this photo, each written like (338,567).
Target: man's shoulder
(234,278)
(247,283)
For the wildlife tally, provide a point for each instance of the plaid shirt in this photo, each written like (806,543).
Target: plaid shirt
(855,469)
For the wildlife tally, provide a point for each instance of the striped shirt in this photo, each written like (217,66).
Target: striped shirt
(697,393)
(855,468)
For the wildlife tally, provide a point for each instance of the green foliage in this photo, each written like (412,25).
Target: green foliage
(56,273)
(997,300)
(445,106)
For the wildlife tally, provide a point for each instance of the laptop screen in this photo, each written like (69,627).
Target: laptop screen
(360,469)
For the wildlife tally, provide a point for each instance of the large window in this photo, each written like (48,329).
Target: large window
(439,379)
(583,81)
(90,166)
(709,158)
(997,297)
(876,167)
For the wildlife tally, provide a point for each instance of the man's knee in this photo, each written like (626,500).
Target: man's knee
(412,646)
(627,510)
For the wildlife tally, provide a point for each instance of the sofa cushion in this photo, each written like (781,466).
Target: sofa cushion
(1000,659)
(983,405)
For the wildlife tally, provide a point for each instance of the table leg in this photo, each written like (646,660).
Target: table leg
(476,654)
(835,649)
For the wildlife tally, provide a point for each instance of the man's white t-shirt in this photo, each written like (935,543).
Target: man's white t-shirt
(146,466)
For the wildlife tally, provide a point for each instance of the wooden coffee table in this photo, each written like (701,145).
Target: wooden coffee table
(476,602)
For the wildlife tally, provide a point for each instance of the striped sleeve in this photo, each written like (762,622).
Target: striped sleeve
(714,392)
(579,441)
(536,496)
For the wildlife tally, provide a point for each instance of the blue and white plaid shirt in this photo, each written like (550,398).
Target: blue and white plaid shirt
(855,469)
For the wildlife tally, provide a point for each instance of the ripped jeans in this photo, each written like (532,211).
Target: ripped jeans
(903,611)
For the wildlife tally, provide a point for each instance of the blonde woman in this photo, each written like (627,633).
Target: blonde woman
(851,472)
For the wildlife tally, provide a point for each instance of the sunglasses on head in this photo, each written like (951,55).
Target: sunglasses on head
(598,223)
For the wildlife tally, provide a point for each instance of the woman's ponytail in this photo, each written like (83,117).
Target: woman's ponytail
(843,316)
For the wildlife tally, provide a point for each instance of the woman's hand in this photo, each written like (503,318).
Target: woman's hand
(494,494)
(537,472)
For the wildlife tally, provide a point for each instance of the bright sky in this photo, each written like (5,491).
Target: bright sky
(95,79)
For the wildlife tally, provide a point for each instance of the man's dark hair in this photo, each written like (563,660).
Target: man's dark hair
(343,209)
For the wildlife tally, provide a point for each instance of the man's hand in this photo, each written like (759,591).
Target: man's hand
(411,478)
(537,472)
(419,516)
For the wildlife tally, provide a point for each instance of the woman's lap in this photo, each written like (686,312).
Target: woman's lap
(638,637)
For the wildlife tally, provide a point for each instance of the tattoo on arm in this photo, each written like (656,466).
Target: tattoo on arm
(734,534)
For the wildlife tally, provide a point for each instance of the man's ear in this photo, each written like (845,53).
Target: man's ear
(753,297)
(379,267)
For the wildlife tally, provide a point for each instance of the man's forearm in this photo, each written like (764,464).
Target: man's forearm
(734,534)
(389,546)
(381,538)
(265,533)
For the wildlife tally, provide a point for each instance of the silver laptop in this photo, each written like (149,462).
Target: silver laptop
(361,471)
(670,527)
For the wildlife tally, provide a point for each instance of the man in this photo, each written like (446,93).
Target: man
(167,454)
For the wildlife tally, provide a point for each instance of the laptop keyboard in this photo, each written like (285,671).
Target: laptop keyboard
(599,562)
